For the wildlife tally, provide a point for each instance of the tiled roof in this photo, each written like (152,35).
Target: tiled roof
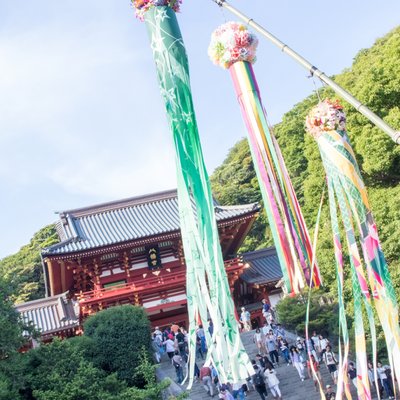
(126,220)
(264,266)
(49,315)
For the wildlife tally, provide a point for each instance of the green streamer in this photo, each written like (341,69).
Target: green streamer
(208,292)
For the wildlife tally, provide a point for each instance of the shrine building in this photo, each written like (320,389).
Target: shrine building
(130,252)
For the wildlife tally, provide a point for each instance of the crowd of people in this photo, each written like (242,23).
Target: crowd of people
(274,349)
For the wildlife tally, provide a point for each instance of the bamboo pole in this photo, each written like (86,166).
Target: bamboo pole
(363,109)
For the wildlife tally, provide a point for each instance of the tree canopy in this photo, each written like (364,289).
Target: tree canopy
(23,270)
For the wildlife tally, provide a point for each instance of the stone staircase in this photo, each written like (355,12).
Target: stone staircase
(291,386)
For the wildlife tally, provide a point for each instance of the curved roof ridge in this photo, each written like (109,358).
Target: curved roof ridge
(118,204)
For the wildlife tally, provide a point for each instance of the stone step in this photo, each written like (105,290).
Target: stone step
(291,386)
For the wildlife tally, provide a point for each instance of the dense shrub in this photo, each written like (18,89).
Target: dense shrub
(118,335)
(323,313)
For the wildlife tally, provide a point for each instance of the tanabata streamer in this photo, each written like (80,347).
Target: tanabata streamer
(233,46)
(347,193)
(207,285)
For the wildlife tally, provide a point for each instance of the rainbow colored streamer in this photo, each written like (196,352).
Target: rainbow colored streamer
(233,46)
(327,124)
(208,291)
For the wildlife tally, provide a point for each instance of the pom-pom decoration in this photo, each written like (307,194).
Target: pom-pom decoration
(369,271)
(232,42)
(142,6)
(326,116)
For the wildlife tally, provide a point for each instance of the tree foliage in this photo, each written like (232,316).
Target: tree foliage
(68,369)
(118,334)
(323,313)
(23,270)
(12,327)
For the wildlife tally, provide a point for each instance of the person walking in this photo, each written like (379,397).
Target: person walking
(315,340)
(263,361)
(237,390)
(297,362)
(371,377)
(202,336)
(312,364)
(245,320)
(273,383)
(177,362)
(266,307)
(302,349)
(258,339)
(180,339)
(331,362)
(206,380)
(352,374)
(283,346)
(265,329)
(224,393)
(329,393)
(323,342)
(280,331)
(272,346)
(384,380)
(156,348)
(259,383)
(170,346)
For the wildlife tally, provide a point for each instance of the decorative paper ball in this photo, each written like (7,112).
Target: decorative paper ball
(142,6)
(326,116)
(232,42)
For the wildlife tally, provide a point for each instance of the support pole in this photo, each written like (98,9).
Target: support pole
(379,122)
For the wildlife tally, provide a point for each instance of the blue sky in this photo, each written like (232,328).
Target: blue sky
(81,117)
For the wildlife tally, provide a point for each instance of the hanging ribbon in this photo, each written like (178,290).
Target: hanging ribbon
(327,124)
(316,230)
(233,46)
(208,291)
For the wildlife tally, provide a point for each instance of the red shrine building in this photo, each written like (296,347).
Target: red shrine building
(130,252)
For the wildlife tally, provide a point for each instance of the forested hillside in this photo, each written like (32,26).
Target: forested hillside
(374,78)
(23,271)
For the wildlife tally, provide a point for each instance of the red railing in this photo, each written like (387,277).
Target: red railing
(146,285)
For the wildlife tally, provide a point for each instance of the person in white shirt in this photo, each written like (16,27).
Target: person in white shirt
(273,382)
(330,362)
(315,340)
(265,329)
(170,346)
(245,320)
(259,340)
(382,375)
(323,342)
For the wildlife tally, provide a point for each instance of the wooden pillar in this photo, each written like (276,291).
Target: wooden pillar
(62,272)
(54,277)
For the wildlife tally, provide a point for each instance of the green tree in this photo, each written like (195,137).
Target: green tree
(12,327)
(118,334)
(60,371)
(23,270)
(323,313)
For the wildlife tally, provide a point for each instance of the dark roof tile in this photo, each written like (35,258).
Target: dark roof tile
(264,266)
(126,220)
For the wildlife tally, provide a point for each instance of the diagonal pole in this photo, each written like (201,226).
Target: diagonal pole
(360,107)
